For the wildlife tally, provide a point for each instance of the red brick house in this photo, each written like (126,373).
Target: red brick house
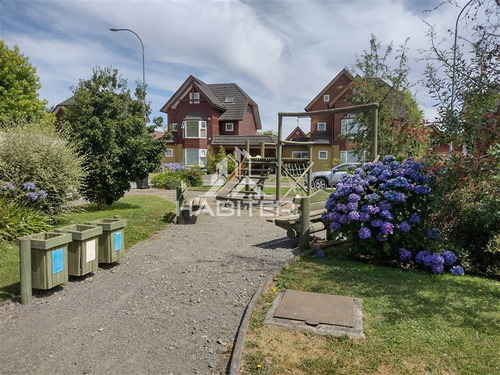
(329,129)
(203,117)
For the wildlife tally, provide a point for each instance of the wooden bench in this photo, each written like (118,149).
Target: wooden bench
(305,218)
(186,209)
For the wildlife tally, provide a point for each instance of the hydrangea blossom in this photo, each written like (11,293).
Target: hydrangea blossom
(414,218)
(29,186)
(364,233)
(433,234)
(457,271)
(449,257)
(404,227)
(404,255)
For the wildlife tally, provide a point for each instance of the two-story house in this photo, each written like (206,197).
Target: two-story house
(204,117)
(327,131)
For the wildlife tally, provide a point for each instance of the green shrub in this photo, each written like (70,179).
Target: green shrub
(38,169)
(165,180)
(16,221)
(214,160)
(192,176)
(468,212)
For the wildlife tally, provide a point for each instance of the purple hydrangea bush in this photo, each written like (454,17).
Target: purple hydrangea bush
(28,194)
(382,208)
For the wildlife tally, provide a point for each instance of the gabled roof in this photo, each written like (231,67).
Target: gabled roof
(294,136)
(67,102)
(327,87)
(227,97)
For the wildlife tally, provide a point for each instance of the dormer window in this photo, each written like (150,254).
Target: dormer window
(229,126)
(326,98)
(194,98)
(229,99)
(321,127)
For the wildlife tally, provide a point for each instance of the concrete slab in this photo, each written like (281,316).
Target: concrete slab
(320,313)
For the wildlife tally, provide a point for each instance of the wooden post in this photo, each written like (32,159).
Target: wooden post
(304,223)
(247,147)
(262,149)
(25,269)
(278,158)
(374,147)
(309,173)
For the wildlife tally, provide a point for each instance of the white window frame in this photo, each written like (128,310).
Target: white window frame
(202,129)
(326,98)
(326,155)
(194,98)
(169,153)
(202,154)
(300,154)
(174,126)
(345,159)
(229,128)
(322,124)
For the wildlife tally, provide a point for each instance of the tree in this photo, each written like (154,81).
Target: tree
(268,132)
(401,130)
(18,88)
(107,126)
(465,79)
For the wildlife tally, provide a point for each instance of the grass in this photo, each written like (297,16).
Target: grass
(145,215)
(414,323)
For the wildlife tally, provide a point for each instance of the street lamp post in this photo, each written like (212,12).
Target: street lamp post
(143,66)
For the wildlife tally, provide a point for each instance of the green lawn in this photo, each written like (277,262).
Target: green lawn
(414,323)
(145,215)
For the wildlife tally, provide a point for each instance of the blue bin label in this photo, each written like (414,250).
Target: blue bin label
(57,261)
(117,240)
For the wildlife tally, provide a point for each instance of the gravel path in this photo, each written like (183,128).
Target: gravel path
(172,305)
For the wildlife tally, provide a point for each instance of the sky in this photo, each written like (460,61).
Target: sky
(282,53)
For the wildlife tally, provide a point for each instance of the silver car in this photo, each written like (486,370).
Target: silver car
(324,179)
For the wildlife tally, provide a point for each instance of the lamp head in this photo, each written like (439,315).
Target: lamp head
(113,29)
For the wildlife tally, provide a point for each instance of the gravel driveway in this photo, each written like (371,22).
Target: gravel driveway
(172,305)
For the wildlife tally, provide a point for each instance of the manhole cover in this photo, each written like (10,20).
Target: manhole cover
(316,308)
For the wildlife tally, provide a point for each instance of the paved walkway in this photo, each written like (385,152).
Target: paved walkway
(172,305)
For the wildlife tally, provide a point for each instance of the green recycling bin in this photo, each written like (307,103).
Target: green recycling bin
(49,259)
(83,250)
(112,239)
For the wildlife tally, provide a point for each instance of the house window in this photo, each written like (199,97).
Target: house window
(348,126)
(229,126)
(326,98)
(174,127)
(169,153)
(322,154)
(195,156)
(300,154)
(321,126)
(194,129)
(229,99)
(348,157)
(194,98)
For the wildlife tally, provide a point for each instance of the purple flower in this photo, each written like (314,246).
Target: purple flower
(354,197)
(386,227)
(371,179)
(29,186)
(376,171)
(358,189)
(457,271)
(8,186)
(422,189)
(433,234)
(400,197)
(372,197)
(421,256)
(372,210)
(385,175)
(353,216)
(364,217)
(359,171)
(325,216)
(386,214)
(43,194)
(414,218)
(449,257)
(390,195)
(404,227)
(394,164)
(343,219)
(388,159)
(335,226)
(375,223)
(352,206)
(319,253)
(33,195)
(384,205)
(404,255)
(364,233)
(435,262)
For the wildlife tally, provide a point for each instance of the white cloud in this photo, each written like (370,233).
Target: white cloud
(282,53)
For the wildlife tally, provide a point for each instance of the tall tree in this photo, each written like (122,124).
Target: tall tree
(19,101)
(401,130)
(465,78)
(107,125)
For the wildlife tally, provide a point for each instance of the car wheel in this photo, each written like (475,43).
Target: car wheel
(320,183)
